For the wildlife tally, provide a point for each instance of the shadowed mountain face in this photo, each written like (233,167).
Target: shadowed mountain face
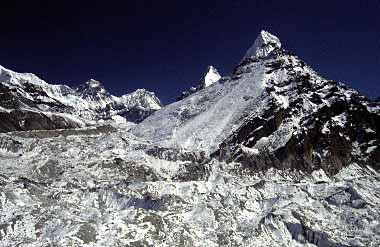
(273,155)
(29,103)
(308,123)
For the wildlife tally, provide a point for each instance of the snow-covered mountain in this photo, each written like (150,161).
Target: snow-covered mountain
(273,155)
(209,77)
(274,110)
(28,103)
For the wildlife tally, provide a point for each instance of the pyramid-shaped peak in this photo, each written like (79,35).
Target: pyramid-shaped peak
(210,77)
(91,87)
(265,38)
(143,99)
(264,44)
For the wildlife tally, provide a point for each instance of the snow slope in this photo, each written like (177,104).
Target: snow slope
(205,118)
(202,120)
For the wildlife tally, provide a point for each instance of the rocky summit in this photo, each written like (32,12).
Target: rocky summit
(271,155)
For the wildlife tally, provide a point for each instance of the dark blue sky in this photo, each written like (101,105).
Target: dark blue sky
(165,46)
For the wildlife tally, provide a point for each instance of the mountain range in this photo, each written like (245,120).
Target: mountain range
(271,155)
(29,103)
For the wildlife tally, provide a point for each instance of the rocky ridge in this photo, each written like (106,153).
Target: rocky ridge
(29,103)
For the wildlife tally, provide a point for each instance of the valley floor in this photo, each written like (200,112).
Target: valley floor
(106,187)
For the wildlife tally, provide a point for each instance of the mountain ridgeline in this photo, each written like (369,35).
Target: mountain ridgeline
(273,111)
(29,103)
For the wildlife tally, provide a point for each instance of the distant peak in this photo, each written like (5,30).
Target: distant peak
(264,44)
(91,87)
(142,97)
(142,91)
(210,67)
(93,83)
(210,77)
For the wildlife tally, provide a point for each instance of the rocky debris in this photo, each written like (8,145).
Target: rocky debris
(96,130)
(304,234)
(170,154)
(193,164)
(9,144)
(347,196)
(114,189)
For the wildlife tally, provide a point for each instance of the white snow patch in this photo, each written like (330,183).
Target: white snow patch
(340,119)
(370,149)
(326,129)
(368,130)
(211,77)
(264,44)
(251,151)
(282,100)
